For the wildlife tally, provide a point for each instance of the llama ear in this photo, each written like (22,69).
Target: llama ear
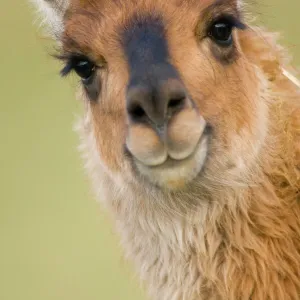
(52,14)
(239,3)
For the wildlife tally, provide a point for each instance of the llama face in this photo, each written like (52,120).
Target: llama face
(171,95)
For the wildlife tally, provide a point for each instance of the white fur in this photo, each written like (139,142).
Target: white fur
(52,13)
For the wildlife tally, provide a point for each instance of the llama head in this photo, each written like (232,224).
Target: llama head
(172,98)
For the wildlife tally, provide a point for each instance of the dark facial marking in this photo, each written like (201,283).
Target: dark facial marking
(150,91)
(145,43)
(93,88)
(225,56)
(146,49)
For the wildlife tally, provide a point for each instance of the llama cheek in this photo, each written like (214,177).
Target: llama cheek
(108,138)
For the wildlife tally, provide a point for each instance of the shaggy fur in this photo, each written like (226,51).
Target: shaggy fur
(52,12)
(234,232)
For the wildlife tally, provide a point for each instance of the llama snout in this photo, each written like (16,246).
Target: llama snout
(166,134)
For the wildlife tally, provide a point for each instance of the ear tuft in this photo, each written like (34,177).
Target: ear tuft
(240,4)
(51,13)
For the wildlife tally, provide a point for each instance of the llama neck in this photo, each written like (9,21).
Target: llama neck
(181,258)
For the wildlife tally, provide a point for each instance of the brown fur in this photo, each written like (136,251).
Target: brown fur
(233,232)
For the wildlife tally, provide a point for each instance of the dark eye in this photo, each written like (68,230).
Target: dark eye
(221,32)
(84,68)
(81,65)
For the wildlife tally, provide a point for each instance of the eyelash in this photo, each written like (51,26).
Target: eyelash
(70,61)
(229,19)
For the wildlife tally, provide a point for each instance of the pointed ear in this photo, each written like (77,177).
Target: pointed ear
(237,3)
(52,14)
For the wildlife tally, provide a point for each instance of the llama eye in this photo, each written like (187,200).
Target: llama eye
(221,33)
(81,65)
(84,68)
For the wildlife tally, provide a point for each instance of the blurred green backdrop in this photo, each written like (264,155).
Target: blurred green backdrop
(55,241)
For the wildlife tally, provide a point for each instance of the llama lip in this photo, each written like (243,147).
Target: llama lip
(171,162)
(175,174)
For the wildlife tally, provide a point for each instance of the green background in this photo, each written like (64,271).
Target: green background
(55,241)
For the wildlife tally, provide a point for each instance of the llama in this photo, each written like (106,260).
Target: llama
(191,138)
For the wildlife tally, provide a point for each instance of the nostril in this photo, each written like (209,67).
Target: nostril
(175,104)
(137,112)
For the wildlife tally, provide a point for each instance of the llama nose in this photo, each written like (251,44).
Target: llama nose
(155,103)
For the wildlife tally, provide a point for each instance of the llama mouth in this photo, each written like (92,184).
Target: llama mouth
(175,174)
(173,163)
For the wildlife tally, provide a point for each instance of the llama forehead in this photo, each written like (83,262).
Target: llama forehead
(111,6)
(102,21)
(54,11)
